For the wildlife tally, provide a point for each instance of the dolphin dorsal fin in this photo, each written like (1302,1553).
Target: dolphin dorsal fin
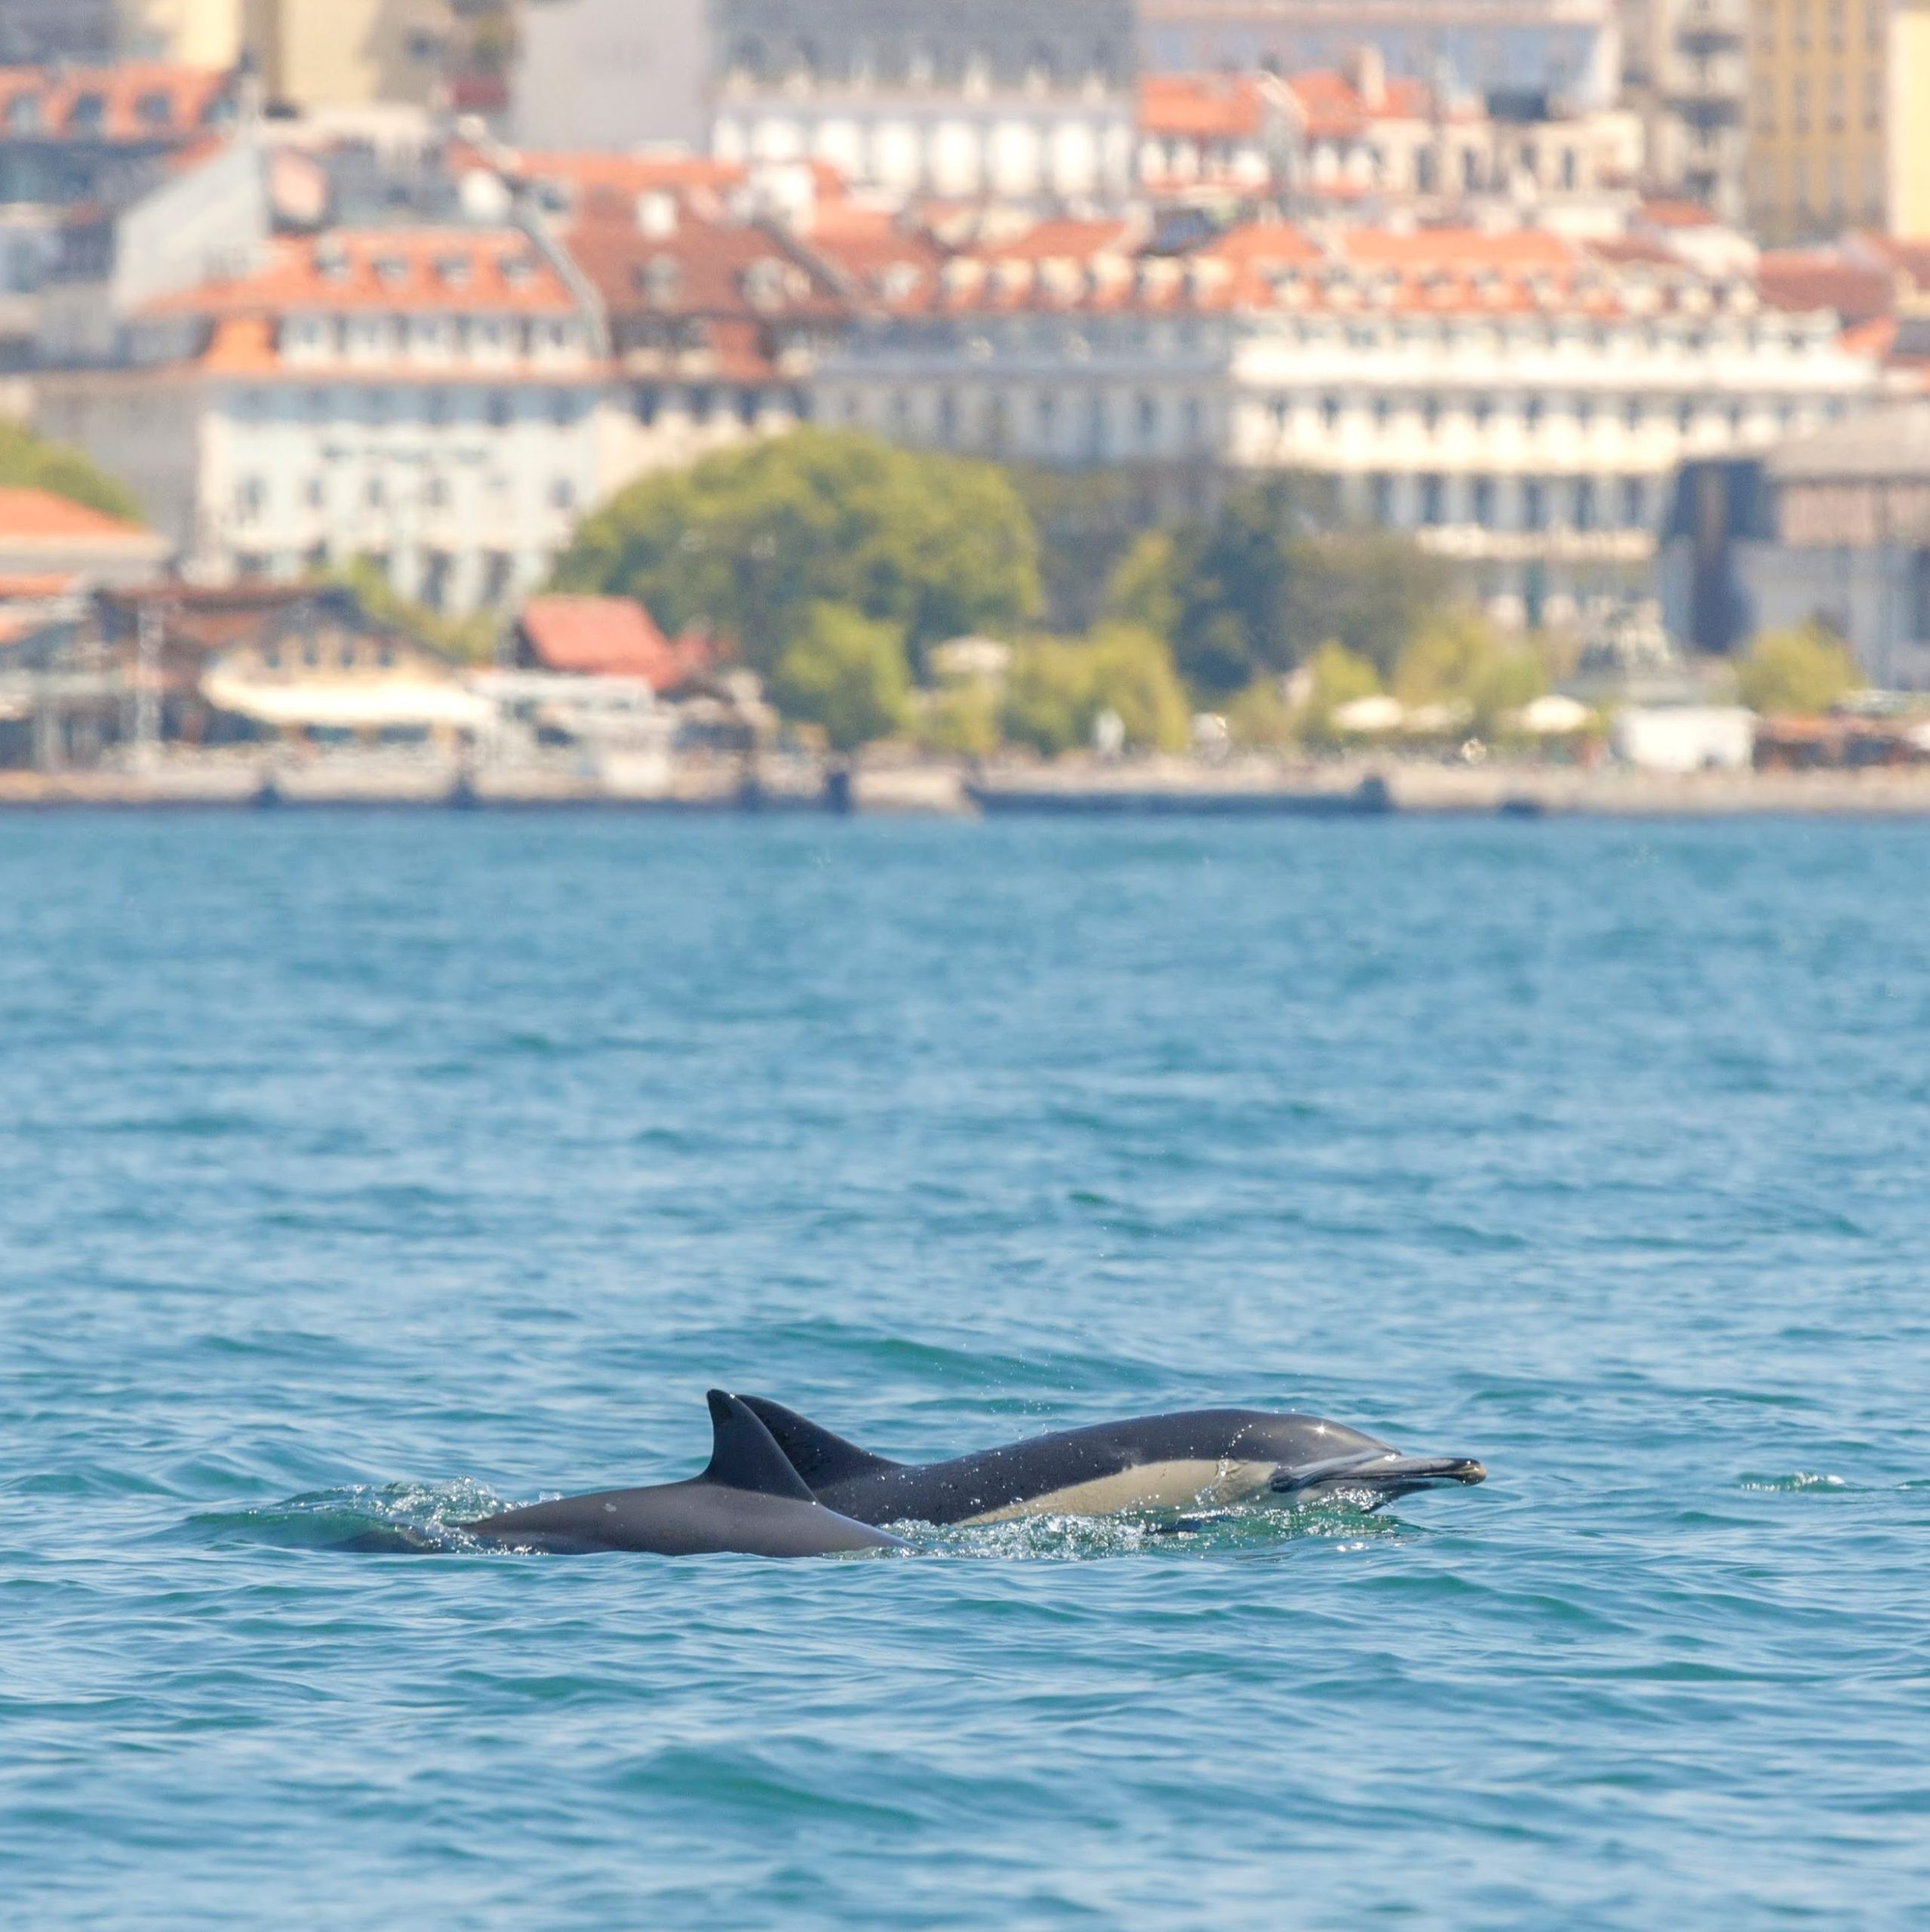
(817,1455)
(743,1456)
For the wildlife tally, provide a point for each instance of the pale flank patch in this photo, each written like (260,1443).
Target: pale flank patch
(1151,1486)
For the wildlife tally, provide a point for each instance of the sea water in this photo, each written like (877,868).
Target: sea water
(366,1171)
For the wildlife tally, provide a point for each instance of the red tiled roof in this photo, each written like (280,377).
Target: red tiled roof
(605,637)
(131,101)
(1208,107)
(1803,279)
(40,516)
(449,269)
(1330,104)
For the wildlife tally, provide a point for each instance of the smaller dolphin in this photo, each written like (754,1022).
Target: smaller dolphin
(748,1500)
(1163,1462)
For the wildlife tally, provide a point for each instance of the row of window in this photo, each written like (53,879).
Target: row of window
(1582,502)
(1582,413)
(347,335)
(436,405)
(254,496)
(431,583)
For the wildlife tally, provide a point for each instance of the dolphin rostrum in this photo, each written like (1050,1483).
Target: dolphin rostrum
(1166,1462)
(749,1499)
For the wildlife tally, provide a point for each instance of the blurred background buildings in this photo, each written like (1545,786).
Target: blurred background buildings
(1584,298)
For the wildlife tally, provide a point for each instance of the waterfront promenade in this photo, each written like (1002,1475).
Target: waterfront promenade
(1177,787)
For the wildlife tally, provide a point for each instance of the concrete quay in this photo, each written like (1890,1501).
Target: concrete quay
(1165,787)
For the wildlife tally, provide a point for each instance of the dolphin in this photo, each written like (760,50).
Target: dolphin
(749,1499)
(1163,1462)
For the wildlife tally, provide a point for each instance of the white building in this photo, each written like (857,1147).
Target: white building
(1000,98)
(423,397)
(1520,401)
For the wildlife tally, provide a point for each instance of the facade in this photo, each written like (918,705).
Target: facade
(1565,49)
(324,53)
(1845,540)
(70,135)
(1686,69)
(719,288)
(1520,401)
(609,74)
(1001,99)
(1838,117)
(424,398)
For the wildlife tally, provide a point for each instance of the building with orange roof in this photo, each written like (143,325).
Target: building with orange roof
(426,396)
(716,306)
(1521,49)
(49,544)
(73,135)
(1520,401)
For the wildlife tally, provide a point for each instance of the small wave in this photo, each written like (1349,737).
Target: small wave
(425,1519)
(391,1516)
(1209,1533)
(1800,1482)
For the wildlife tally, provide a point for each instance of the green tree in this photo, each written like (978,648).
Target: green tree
(1058,687)
(28,462)
(1141,590)
(845,672)
(1335,676)
(962,720)
(1256,588)
(1457,656)
(749,539)
(1804,670)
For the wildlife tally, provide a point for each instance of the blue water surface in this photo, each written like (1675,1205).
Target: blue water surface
(365,1169)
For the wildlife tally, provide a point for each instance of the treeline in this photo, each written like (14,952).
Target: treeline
(835,565)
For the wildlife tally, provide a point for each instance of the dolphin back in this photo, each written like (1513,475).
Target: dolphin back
(749,1499)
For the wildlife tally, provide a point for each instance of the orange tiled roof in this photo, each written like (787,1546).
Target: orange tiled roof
(390,270)
(605,637)
(1803,279)
(38,515)
(1332,107)
(133,101)
(1200,107)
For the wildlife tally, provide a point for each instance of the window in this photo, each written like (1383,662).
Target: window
(1684,416)
(250,493)
(436,407)
(435,579)
(499,409)
(748,404)
(1380,498)
(435,493)
(1434,501)
(1534,506)
(1483,411)
(1633,414)
(563,494)
(86,115)
(1330,411)
(23,114)
(1634,503)
(562,408)
(698,404)
(1149,418)
(1919,596)
(313,492)
(645,400)
(496,576)
(1430,414)
(374,493)
(154,110)
(1531,414)
(1584,503)
(1483,504)
(1383,412)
